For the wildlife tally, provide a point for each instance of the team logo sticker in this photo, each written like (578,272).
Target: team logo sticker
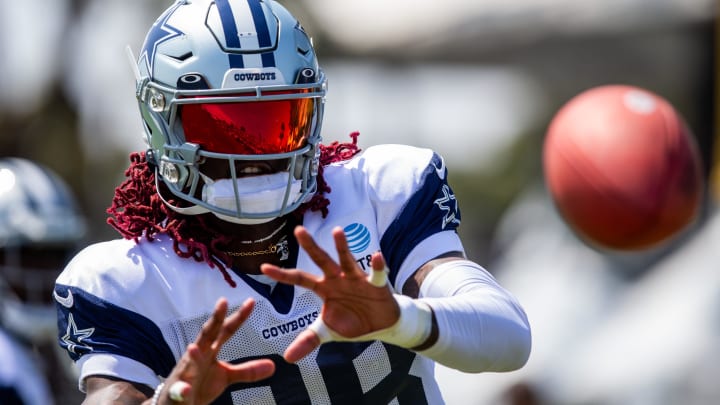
(449,206)
(75,336)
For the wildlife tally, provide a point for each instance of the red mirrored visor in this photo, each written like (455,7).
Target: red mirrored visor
(249,128)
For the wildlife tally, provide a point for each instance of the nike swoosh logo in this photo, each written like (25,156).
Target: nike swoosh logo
(440,170)
(67,302)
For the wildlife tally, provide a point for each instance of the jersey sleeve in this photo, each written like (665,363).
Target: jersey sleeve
(416,208)
(94,327)
(100,336)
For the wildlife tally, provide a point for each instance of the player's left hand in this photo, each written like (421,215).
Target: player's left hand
(199,377)
(354,304)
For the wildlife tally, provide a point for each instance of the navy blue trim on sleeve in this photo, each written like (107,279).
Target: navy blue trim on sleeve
(88,324)
(432,209)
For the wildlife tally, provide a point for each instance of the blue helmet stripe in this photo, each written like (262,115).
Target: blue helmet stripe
(268,59)
(263,32)
(232,40)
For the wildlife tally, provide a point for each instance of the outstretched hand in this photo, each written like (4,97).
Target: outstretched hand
(353,304)
(199,377)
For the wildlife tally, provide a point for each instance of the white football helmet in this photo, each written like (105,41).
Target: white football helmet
(236,81)
(40,228)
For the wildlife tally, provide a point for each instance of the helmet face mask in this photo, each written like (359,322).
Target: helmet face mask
(232,80)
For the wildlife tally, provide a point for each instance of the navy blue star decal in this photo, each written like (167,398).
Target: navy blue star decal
(448,204)
(159,33)
(74,337)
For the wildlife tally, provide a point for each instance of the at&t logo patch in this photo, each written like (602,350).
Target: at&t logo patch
(358,237)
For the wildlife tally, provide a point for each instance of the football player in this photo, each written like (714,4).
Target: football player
(342,270)
(40,229)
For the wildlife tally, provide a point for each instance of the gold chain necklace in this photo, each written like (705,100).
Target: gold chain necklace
(249,242)
(270,249)
(281,248)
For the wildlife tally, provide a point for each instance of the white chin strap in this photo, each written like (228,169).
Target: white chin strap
(257,195)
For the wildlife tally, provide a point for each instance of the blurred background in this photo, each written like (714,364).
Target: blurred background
(478,81)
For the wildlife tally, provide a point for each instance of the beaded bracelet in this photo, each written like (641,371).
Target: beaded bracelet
(156,396)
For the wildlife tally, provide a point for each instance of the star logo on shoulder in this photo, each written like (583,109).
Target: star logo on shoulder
(448,204)
(74,337)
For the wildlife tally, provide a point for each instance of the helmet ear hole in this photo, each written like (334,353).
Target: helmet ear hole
(192,81)
(306,75)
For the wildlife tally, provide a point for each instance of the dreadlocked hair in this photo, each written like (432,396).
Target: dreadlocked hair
(137,211)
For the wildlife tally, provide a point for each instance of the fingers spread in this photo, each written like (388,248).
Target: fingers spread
(305,343)
(212,326)
(194,354)
(251,371)
(316,253)
(347,261)
(233,322)
(287,276)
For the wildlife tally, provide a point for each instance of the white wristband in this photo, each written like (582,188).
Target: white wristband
(411,329)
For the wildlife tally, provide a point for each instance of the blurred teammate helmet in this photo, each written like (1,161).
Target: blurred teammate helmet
(235,81)
(40,228)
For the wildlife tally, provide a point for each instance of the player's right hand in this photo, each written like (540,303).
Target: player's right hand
(354,305)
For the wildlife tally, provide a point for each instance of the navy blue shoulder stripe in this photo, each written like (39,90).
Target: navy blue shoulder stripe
(93,325)
(432,209)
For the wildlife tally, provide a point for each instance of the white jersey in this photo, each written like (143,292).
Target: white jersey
(130,309)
